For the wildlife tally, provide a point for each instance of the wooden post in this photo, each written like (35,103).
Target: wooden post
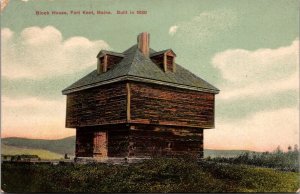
(173,63)
(105,63)
(98,66)
(128,101)
(165,62)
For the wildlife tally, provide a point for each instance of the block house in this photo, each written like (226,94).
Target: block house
(139,103)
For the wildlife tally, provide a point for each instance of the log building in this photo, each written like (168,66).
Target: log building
(139,103)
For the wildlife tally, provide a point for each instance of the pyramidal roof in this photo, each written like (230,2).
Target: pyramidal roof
(135,66)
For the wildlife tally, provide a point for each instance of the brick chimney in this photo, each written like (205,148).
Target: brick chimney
(143,41)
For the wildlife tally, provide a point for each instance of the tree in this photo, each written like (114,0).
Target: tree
(295,148)
(278,149)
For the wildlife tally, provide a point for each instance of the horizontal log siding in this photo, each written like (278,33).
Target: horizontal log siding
(152,104)
(84,143)
(148,140)
(118,143)
(97,106)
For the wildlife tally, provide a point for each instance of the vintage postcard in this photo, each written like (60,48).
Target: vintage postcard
(149,96)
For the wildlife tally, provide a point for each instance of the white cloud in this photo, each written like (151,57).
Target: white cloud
(4,3)
(33,117)
(262,131)
(259,89)
(205,25)
(39,52)
(173,30)
(259,72)
(6,34)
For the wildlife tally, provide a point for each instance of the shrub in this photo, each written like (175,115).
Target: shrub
(157,175)
(286,161)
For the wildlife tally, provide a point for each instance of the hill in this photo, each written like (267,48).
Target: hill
(67,145)
(43,154)
(60,146)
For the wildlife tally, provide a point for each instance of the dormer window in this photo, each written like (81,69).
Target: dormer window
(170,61)
(102,64)
(165,59)
(107,59)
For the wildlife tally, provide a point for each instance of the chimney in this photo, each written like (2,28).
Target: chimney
(143,41)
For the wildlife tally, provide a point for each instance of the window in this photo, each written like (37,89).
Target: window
(106,62)
(165,59)
(170,63)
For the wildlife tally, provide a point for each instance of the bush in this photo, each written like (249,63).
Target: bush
(157,175)
(286,161)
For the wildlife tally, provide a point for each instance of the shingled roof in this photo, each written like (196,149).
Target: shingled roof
(137,67)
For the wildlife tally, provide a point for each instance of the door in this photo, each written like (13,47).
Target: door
(100,144)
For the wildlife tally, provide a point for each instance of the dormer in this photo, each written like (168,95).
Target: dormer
(165,59)
(107,59)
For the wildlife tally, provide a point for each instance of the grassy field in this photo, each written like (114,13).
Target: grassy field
(157,175)
(43,154)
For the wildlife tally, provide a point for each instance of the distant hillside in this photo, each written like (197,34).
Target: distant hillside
(60,146)
(67,145)
(43,154)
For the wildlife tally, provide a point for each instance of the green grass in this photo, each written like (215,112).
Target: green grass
(157,175)
(43,154)
(254,179)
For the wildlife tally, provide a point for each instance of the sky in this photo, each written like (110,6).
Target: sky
(249,49)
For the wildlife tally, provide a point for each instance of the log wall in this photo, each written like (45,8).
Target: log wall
(155,104)
(158,141)
(97,106)
(139,141)
(138,119)
(84,143)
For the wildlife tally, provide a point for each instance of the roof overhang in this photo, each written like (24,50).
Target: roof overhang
(140,79)
(104,52)
(162,52)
